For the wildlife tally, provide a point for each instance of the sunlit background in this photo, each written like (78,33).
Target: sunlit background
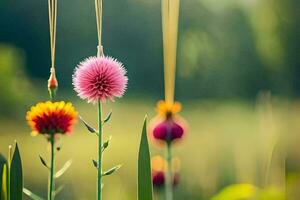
(238,80)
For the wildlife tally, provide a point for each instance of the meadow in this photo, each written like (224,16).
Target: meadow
(227,143)
(232,65)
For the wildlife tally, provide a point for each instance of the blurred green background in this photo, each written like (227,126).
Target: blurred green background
(238,79)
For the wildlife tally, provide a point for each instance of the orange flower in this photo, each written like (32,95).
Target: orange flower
(51,118)
(167,126)
(166,109)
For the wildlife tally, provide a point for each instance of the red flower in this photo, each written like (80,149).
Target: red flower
(51,118)
(158,179)
(168,130)
(168,126)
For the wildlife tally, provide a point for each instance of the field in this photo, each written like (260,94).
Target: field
(229,142)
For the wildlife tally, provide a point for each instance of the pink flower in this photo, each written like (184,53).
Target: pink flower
(100,78)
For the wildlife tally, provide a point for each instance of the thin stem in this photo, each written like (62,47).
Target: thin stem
(51,174)
(8,170)
(98,8)
(99,194)
(54,32)
(50,23)
(169,179)
(52,12)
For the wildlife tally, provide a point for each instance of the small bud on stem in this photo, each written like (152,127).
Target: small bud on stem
(52,83)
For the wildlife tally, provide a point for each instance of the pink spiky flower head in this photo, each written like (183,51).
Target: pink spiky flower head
(100,78)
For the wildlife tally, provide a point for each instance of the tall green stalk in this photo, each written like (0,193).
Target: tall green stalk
(52,154)
(51,173)
(169,179)
(100,128)
(8,170)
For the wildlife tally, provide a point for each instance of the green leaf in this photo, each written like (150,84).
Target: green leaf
(3,177)
(16,176)
(237,192)
(44,162)
(108,117)
(58,190)
(60,172)
(31,194)
(89,128)
(106,143)
(112,170)
(95,163)
(4,181)
(144,167)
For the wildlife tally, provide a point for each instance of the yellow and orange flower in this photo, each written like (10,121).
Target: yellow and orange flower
(51,118)
(167,126)
(165,109)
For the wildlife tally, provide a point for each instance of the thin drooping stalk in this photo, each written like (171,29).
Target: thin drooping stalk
(51,171)
(98,8)
(100,127)
(52,12)
(169,179)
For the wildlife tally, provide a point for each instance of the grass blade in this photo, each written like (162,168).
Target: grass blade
(144,167)
(112,170)
(16,176)
(3,164)
(31,195)
(63,169)
(4,180)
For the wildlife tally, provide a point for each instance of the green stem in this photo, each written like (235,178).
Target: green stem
(169,179)
(8,171)
(51,174)
(100,127)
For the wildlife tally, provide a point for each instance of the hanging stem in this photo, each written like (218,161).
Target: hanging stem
(52,11)
(98,8)
(169,176)
(51,173)
(100,127)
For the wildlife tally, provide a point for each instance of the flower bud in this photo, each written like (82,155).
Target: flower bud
(52,81)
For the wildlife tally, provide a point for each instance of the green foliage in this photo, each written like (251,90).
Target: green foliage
(16,176)
(221,43)
(112,170)
(106,143)
(237,192)
(14,85)
(107,117)
(44,162)
(66,166)
(31,195)
(144,167)
(249,192)
(3,164)
(4,190)
(11,176)
(88,127)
